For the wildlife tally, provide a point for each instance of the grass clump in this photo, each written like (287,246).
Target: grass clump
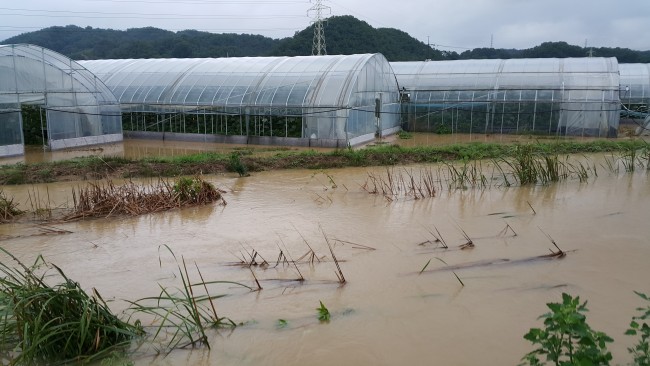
(43,323)
(236,165)
(103,200)
(195,191)
(8,208)
(404,135)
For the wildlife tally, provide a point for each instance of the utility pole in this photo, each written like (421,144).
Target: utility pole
(492,40)
(316,12)
(590,53)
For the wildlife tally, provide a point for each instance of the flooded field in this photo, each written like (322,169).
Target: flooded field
(387,312)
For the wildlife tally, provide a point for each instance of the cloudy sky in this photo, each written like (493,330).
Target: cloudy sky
(448,24)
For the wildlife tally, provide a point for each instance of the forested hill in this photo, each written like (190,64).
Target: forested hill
(343,35)
(346,35)
(94,43)
(560,50)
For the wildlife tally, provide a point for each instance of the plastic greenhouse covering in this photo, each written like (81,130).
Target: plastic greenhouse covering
(338,98)
(635,84)
(572,96)
(65,102)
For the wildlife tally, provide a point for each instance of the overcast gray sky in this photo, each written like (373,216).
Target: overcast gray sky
(447,24)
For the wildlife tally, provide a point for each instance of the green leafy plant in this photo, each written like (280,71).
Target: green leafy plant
(323,313)
(567,339)
(282,323)
(641,350)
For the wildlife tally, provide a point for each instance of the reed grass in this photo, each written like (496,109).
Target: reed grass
(339,272)
(41,208)
(107,199)
(402,183)
(611,164)
(8,208)
(469,243)
(505,230)
(466,175)
(630,159)
(529,165)
(180,314)
(445,263)
(559,253)
(55,324)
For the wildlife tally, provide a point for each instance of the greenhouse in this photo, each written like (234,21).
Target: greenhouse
(326,101)
(45,94)
(635,86)
(572,96)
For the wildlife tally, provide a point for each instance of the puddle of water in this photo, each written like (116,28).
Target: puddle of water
(386,313)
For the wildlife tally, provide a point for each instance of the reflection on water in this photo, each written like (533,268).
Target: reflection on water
(386,313)
(137,149)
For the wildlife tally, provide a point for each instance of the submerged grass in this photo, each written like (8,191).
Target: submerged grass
(96,167)
(55,324)
(8,208)
(182,315)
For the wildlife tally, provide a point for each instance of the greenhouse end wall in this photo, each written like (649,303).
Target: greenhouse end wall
(635,86)
(63,103)
(518,96)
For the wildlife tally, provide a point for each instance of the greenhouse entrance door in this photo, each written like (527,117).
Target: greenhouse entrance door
(34,123)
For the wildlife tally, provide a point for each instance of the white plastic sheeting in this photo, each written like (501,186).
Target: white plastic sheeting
(573,96)
(78,109)
(328,97)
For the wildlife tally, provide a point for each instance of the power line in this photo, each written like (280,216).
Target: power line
(206,2)
(223,30)
(102,15)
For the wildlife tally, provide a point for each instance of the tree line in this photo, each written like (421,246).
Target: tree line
(343,34)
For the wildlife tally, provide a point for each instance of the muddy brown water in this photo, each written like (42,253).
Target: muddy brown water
(386,313)
(138,149)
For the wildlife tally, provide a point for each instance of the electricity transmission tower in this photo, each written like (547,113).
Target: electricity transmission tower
(316,12)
